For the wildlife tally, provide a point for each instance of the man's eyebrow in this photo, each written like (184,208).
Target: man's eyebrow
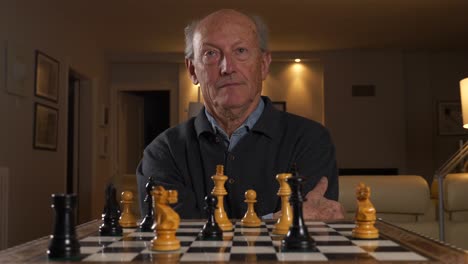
(209,45)
(240,42)
(236,43)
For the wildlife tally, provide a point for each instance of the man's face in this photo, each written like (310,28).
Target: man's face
(228,62)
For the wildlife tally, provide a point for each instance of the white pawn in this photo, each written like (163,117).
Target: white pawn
(127,219)
(250,218)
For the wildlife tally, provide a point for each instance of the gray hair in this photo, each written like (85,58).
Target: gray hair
(260,26)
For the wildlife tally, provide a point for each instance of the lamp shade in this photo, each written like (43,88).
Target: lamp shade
(464,101)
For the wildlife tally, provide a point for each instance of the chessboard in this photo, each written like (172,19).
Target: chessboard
(334,243)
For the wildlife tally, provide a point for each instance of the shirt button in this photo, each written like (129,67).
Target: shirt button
(232,157)
(231,180)
(217,140)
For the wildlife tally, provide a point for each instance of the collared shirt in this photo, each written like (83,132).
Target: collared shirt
(241,131)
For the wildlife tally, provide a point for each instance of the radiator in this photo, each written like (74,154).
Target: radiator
(3,207)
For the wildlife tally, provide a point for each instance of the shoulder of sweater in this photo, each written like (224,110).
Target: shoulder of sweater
(302,123)
(177,134)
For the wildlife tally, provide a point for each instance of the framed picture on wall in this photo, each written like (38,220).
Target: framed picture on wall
(450,120)
(47,77)
(45,127)
(280,105)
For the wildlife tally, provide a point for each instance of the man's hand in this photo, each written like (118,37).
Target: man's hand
(318,207)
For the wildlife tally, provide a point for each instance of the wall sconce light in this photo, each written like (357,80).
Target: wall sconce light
(297,60)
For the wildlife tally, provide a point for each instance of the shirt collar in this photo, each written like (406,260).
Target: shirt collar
(268,122)
(248,123)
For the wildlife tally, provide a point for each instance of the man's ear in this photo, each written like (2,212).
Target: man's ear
(266,60)
(191,70)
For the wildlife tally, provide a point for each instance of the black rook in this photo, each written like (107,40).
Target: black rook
(63,243)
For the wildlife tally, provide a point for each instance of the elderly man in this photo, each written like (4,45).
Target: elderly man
(226,53)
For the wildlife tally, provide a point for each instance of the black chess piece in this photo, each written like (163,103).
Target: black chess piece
(110,217)
(63,243)
(293,170)
(211,229)
(298,237)
(147,223)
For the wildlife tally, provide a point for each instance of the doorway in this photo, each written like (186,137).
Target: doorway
(78,178)
(143,115)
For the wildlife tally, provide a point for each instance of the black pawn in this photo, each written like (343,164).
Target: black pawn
(63,243)
(297,237)
(110,217)
(211,230)
(147,223)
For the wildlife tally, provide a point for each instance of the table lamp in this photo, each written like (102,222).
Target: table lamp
(453,161)
(464,100)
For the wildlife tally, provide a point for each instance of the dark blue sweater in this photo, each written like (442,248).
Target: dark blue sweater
(185,157)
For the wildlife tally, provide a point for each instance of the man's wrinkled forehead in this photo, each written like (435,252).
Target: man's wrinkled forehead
(225,19)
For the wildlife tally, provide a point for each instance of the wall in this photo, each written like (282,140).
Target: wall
(431,77)
(398,127)
(300,85)
(36,174)
(369,132)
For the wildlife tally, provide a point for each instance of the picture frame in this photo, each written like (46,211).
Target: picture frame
(45,127)
(450,120)
(47,70)
(280,105)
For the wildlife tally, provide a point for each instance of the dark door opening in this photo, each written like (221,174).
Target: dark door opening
(143,115)
(73,126)
(156,114)
(79,148)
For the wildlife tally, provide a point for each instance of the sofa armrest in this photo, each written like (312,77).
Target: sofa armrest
(396,194)
(456,192)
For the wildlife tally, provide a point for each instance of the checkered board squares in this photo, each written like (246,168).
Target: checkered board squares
(333,242)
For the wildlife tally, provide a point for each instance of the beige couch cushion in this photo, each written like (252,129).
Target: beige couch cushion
(390,194)
(456,192)
(456,233)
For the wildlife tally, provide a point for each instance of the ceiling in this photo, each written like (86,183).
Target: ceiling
(150,26)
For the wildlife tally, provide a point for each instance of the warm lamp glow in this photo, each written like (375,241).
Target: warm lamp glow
(297,68)
(297,60)
(464,101)
(197,88)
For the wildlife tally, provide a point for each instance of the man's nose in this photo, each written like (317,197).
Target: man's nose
(226,65)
